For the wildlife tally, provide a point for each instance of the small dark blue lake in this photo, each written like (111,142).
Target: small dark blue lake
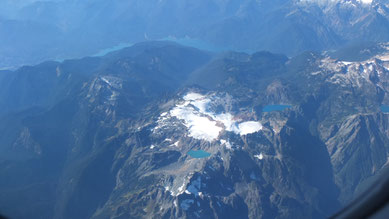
(385,108)
(271,108)
(199,154)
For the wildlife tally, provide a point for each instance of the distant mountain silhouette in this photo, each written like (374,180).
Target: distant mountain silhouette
(69,29)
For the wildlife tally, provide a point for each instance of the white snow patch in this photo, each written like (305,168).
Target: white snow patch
(193,96)
(228,121)
(249,127)
(112,81)
(175,144)
(366,1)
(178,186)
(347,63)
(201,104)
(259,156)
(204,124)
(384,57)
(199,127)
(181,189)
(106,80)
(226,143)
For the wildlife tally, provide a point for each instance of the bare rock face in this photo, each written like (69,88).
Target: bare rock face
(277,92)
(361,141)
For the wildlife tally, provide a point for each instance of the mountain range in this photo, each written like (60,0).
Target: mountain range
(191,109)
(59,30)
(115,136)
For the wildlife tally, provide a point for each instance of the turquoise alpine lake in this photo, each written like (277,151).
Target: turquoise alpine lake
(271,108)
(385,108)
(198,154)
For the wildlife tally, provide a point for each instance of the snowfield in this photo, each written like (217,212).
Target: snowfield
(204,124)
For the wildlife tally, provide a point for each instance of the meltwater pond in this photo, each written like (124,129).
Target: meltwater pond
(271,108)
(385,108)
(199,154)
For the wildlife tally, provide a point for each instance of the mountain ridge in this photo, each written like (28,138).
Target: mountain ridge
(298,26)
(107,143)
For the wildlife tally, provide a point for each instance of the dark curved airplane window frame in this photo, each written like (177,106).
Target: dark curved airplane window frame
(373,203)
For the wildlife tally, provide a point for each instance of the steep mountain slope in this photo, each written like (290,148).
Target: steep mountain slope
(63,29)
(52,129)
(252,172)
(164,131)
